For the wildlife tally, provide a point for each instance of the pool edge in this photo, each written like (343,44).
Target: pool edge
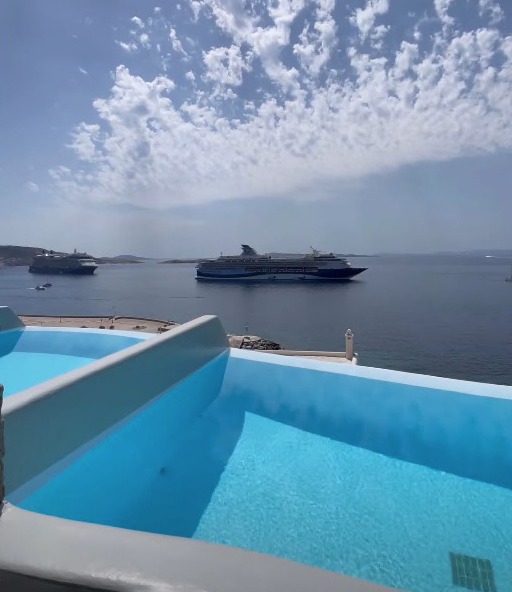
(108,558)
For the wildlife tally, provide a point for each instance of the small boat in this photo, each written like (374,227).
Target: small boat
(40,288)
(47,285)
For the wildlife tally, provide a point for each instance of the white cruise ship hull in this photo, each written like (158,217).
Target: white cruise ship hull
(339,275)
(251,267)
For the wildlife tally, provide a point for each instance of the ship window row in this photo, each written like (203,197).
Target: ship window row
(281,269)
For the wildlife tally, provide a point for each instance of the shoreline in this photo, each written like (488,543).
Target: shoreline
(122,323)
(156,326)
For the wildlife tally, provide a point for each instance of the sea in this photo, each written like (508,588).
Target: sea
(446,316)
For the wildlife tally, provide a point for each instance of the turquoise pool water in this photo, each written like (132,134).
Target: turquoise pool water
(266,471)
(31,356)
(21,370)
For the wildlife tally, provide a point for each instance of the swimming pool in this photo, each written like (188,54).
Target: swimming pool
(32,355)
(401,480)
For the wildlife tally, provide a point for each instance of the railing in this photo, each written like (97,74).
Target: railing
(242,342)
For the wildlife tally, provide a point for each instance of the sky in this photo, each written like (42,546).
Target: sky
(184,128)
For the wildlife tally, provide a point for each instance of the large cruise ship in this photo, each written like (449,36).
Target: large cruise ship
(249,266)
(75,263)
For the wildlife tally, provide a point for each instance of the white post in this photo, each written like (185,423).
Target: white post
(349,345)
(2,450)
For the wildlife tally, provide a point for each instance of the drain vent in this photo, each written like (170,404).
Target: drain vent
(472,573)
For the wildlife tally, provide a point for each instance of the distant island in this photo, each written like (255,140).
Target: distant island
(120,259)
(14,255)
(117,260)
(478,253)
(180,261)
(132,258)
(11,255)
(298,255)
(498,253)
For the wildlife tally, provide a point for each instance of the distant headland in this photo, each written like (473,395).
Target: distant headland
(14,255)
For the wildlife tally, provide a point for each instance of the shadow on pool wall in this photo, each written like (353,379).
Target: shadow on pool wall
(459,433)
(163,457)
(9,340)
(11,329)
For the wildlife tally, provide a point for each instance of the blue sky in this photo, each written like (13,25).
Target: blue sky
(185,128)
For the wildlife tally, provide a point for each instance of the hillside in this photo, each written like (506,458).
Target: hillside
(15,255)
(179,261)
(115,260)
(132,258)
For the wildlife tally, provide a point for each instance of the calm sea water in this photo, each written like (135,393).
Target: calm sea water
(446,316)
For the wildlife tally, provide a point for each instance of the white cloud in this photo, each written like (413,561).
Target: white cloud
(144,41)
(231,17)
(176,43)
(405,59)
(34,187)
(224,65)
(317,43)
(442,7)
(492,9)
(59,171)
(157,10)
(130,47)
(364,18)
(152,147)
(266,42)
(146,34)
(137,21)
(85,138)
(378,34)
(195,5)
